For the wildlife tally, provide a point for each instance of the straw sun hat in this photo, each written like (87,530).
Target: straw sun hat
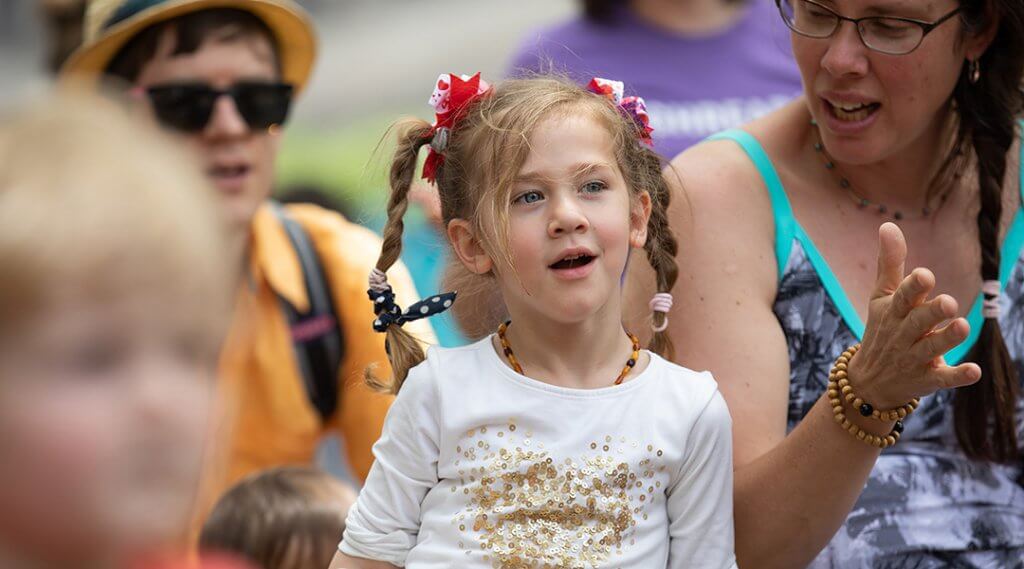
(110,24)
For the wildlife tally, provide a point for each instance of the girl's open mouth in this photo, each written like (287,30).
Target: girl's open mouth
(573,262)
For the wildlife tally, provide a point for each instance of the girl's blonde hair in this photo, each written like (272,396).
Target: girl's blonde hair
(485,151)
(90,199)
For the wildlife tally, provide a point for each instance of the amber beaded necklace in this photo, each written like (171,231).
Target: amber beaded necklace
(630,363)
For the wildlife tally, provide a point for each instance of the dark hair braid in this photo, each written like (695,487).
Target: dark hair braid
(988,109)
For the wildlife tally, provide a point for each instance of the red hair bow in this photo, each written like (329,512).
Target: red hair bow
(633,107)
(452,96)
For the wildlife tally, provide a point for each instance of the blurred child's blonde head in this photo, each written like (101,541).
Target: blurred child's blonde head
(485,151)
(112,303)
(91,199)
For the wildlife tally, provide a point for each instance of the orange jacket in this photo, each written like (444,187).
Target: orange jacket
(269,419)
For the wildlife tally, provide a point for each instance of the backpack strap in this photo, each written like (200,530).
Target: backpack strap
(316,334)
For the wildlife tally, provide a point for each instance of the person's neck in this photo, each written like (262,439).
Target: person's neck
(905,181)
(583,355)
(688,17)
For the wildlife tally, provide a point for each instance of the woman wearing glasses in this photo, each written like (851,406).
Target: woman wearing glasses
(909,115)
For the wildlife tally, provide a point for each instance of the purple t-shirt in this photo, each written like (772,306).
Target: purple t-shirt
(694,86)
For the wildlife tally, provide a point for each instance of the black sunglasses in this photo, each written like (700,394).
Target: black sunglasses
(187,107)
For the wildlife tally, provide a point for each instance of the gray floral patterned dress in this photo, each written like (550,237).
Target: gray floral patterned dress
(925,505)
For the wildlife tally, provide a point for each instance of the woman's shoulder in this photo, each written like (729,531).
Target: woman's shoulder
(713,184)
(722,201)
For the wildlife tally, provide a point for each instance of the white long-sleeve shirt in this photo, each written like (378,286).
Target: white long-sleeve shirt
(479,466)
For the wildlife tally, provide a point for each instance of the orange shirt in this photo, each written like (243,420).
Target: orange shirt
(269,418)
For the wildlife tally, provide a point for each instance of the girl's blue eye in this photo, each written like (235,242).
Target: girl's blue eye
(594,187)
(529,197)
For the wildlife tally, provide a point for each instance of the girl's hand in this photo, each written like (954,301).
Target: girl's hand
(904,337)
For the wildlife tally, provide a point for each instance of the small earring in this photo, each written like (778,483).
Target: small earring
(973,71)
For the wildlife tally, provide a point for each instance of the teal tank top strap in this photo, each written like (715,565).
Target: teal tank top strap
(787,230)
(785,224)
(1013,242)
(1017,220)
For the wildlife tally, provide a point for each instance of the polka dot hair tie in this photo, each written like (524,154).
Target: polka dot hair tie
(388,312)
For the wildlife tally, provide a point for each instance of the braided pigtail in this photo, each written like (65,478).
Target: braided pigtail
(661,248)
(988,97)
(404,350)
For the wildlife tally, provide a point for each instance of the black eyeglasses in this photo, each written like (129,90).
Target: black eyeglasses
(884,34)
(187,107)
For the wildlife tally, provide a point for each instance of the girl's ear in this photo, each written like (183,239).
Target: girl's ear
(639,216)
(468,248)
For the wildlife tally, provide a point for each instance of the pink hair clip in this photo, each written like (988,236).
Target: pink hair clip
(633,107)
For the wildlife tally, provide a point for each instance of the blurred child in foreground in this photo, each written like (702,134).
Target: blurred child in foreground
(112,306)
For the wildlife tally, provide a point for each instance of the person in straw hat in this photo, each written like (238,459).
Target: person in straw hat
(221,75)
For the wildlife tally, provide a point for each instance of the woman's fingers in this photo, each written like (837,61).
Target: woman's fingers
(926,349)
(923,318)
(905,339)
(946,377)
(892,255)
(911,292)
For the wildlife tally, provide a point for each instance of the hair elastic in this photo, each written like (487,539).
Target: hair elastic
(388,312)
(661,302)
(439,143)
(990,304)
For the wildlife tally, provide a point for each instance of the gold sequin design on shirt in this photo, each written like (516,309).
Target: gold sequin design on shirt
(528,509)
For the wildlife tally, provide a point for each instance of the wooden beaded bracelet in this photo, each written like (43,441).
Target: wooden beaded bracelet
(866,409)
(837,374)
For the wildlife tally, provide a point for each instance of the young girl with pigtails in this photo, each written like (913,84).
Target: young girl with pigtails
(557,441)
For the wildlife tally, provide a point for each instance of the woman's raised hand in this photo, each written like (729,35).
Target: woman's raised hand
(907,333)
